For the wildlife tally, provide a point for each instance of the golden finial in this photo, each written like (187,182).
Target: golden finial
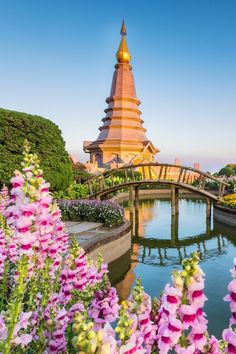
(123,55)
(123,29)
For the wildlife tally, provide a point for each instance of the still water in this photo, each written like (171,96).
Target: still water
(160,242)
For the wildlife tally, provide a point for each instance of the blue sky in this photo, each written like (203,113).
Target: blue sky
(57,60)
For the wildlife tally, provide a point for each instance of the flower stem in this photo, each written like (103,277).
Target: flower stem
(16,302)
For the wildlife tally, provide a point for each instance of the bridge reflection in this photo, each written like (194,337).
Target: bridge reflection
(166,252)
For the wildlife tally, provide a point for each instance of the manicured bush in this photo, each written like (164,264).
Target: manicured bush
(74,191)
(45,139)
(111,214)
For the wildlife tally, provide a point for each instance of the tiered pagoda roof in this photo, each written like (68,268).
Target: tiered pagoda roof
(122,136)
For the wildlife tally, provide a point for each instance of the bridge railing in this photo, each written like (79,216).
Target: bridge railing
(150,173)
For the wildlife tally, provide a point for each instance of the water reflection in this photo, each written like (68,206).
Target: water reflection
(160,242)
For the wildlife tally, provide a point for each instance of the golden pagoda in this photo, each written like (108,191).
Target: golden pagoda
(122,138)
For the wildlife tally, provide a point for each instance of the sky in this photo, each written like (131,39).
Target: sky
(57,60)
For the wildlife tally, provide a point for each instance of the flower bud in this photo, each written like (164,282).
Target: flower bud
(99,335)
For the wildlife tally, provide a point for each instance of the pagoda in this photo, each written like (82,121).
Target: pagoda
(122,138)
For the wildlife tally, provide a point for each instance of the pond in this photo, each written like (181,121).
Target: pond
(160,242)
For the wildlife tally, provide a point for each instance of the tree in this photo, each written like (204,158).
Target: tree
(45,139)
(226,171)
(233,166)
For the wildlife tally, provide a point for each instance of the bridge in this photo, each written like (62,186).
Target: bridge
(174,176)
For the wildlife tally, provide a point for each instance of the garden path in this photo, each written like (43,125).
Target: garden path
(84,231)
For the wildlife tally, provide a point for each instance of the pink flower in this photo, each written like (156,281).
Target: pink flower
(188,315)
(232,320)
(231,297)
(197,335)
(174,329)
(3,329)
(104,307)
(17,181)
(4,199)
(45,202)
(230,337)
(171,298)
(23,322)
(164,344)
(196,295)
(214,346)
(23,340)
(189,350)
(76,307)
(109,340)
(132,347)
(23,224)
(44,187)
(28,210)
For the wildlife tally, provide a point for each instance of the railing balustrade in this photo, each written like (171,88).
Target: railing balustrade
(151,173)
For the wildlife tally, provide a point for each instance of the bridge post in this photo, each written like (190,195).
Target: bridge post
(174,200)
(131,208)
(177,200)
(131,198)
(208,208)
(136,210)
(173,205)
(136,222)
(136,198)
(174,229)
(208,226)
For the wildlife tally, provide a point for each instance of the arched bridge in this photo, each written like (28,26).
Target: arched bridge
(182,177)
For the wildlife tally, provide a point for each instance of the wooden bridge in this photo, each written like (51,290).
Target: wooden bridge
(154,173)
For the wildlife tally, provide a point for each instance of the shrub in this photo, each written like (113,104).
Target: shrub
(122,176)
(210,184)
(227,171)
(80,174)
(46,140)
(154,186)
(111,214)
(229,201)
(74,191)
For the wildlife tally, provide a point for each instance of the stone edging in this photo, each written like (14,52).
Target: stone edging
(225,215)
(114,234)
(225,209)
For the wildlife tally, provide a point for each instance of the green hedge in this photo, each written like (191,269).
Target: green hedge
(45,140)
(74,191)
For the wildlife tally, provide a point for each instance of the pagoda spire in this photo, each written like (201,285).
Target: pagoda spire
(122,137)
(123,54)
(123,31)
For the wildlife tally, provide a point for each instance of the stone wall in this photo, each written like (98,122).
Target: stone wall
(225,215)
(112,245)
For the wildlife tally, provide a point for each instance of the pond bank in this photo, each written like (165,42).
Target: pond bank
(225,215)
